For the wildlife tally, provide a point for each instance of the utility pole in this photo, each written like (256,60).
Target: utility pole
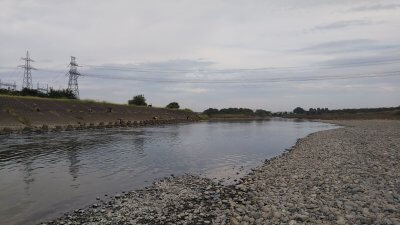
(73,77)
(27,80)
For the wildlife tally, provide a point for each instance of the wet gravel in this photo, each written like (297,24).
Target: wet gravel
(349,175)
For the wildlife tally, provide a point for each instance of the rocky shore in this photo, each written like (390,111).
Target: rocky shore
(91,126)
(349,175)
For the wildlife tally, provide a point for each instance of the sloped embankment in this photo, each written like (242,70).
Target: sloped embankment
(21,112)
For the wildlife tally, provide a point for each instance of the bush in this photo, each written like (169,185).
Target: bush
(173,105)
(262,113)
(244,111)
(299,110)
(210,111)
(64,93)
(138,100)
(231,111)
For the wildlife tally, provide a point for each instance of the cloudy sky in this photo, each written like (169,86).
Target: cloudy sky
(268,54)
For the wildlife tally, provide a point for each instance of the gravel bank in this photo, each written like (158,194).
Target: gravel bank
(349,175)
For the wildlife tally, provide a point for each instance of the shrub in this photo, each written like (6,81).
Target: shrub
(138,100)
(63,93)
(262,113)
(299,110)
(210,111)
(173,105)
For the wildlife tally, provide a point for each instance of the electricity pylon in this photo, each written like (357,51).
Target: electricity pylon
(27,80)
(73,77)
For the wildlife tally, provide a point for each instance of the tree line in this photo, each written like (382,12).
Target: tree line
(140,100)
(318,111)
(63,93)
(237,111)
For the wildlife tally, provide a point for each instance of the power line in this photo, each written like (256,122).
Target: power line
(240,70)
(250,81)
(74,74)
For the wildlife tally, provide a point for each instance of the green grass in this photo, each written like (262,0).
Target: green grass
(78,101)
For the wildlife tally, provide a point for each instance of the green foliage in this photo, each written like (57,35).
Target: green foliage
(139,100)
(64,93)
(173,105)
(32,92)
(237,111)
(244,111)
(188,110)
(211,111)
(319,111)
(299,110)
(262,113)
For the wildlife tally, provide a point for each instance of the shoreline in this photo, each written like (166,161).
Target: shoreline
(91,126)
(281,190)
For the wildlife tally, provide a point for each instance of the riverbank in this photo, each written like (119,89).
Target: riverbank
(40,114)
(392,114)
(348,175)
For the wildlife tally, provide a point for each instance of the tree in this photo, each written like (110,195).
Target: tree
(138,100)
(312,111)
(244,111)
(63,93)
(262,113)
(299,110)
(173,105)
(211,111)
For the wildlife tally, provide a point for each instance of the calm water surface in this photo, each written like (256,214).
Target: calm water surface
(44,175)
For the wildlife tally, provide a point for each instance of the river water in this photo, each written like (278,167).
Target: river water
(44,175)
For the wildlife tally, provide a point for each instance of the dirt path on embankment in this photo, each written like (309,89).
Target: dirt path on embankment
(28,113)
(349,175)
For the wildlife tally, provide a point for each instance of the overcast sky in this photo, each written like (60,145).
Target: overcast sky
(175,42)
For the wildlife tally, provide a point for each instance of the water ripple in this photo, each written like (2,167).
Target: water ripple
(43,175)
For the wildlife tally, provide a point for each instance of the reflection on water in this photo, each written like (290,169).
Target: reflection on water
(43,175)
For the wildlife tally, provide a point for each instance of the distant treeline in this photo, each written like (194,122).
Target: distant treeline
(237,111)
(63,93)
(319,111)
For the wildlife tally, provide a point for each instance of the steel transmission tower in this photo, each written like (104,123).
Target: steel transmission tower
(27,81)
(73,77)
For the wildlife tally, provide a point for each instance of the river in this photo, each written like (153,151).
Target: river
(44,175)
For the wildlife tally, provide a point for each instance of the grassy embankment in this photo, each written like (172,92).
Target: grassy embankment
(18,111)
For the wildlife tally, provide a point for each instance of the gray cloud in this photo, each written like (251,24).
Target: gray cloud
(376,7)
(379,59)
(342,24)
(190,38)
(349,46)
